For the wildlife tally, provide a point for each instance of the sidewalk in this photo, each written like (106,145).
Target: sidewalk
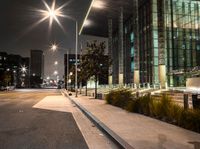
(139,131)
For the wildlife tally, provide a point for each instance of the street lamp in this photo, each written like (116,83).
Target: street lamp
(23,69)
(54,47)
(53,13)
(55,72)
(56,63)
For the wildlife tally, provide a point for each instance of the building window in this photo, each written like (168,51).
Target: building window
(132,66)
(132,51)
(198,47)
(132,37)
(125,30)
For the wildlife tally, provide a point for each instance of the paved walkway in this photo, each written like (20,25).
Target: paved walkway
(139,131)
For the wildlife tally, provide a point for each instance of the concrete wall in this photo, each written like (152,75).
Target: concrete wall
(193,82)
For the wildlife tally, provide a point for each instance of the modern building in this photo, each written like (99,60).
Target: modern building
(36,68)
(14,70)
(169,40)
(151,42)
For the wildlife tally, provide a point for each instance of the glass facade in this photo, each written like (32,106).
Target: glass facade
(182,22)
(148,57)
(169,35)
(128,51)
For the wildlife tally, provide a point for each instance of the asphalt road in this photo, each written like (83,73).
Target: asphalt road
(25,127)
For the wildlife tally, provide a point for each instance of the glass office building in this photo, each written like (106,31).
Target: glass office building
(162,41)
(169,35)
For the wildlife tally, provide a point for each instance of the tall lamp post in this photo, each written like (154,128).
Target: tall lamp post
(53,13)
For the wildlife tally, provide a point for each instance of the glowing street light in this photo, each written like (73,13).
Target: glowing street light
(56,63)
(87,23)
(52,13)
(99,4)
(54,47)
(23,69)
(55,72)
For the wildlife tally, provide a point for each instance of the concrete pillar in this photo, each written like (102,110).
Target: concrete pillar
(136,43)
(162,76)
(137,77)
(110,80)
(110,48)
(161,45)
(121,49)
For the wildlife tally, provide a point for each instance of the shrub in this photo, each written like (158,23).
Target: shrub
(163,109)
(133,105)
(190,119)
(119,98)
(145,105)
(175,113)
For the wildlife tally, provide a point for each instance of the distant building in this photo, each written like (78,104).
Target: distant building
(69,62)
(36,68)
(11,72)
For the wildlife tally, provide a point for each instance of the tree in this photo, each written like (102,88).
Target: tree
(94,62)
(7,78)
(82,76)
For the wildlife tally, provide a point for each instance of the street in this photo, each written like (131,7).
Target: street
(25,127)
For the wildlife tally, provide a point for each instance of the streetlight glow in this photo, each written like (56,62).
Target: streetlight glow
(52,13)
(54,47)
(56,63)
(87,23)
(98,4)
(23,69)
(55,72)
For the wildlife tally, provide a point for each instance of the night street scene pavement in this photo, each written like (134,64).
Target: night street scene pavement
(100,74)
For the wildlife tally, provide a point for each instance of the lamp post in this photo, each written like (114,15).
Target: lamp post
(52,13)
(76,59)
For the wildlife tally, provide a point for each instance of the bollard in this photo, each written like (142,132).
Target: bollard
(195,101)
(186,103)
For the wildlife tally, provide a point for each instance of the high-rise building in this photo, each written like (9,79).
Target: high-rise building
(36,68)
(169,34)
(156,43)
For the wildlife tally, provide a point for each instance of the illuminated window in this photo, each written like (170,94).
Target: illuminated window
(132,37)
(132,66)
(198,47)
(132,51)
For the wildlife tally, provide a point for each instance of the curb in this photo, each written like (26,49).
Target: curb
(111,134)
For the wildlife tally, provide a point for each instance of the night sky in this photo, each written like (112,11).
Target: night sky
(18,15)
